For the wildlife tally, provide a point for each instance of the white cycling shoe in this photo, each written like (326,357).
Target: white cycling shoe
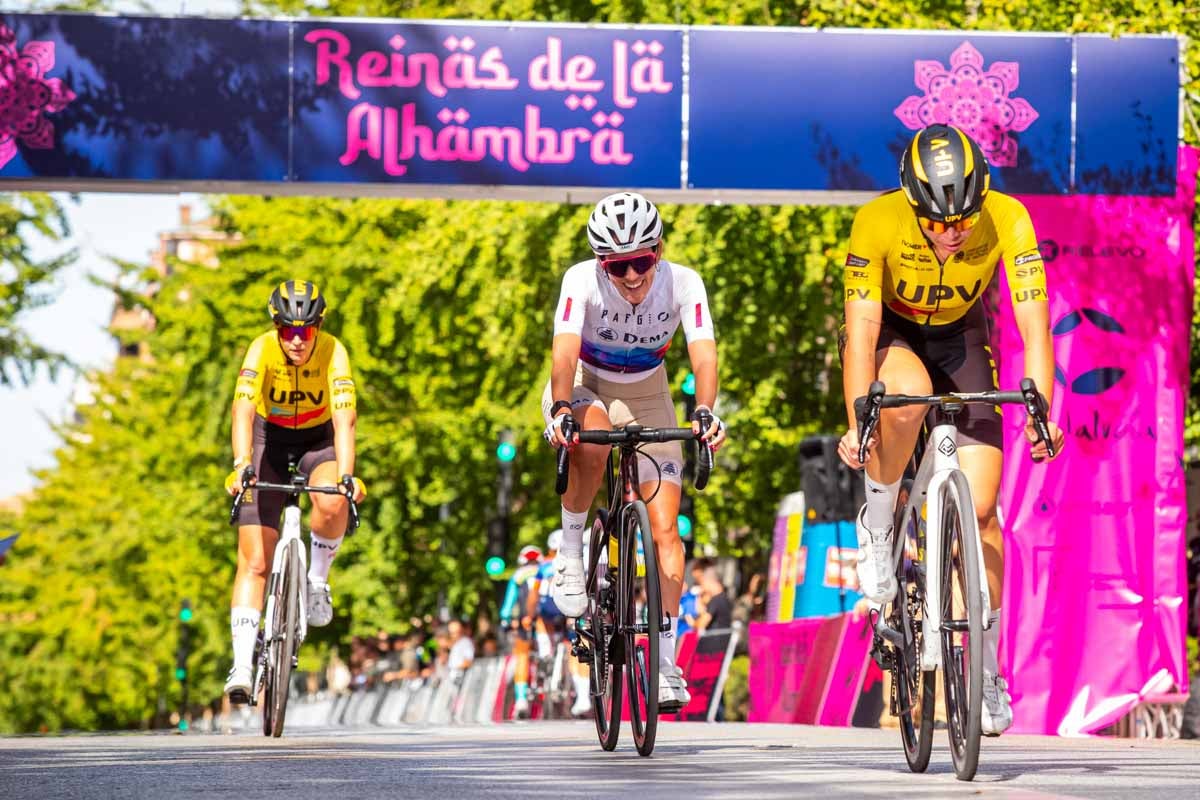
(521,709)
(997,705)
(237,685)
(876,573)
(672,690)
(320,604)
(569,589)
(581,706)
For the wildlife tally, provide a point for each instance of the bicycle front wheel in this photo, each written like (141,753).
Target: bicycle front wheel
(287,611)
(605,680)
(643,623)
(962,633)
(913,690)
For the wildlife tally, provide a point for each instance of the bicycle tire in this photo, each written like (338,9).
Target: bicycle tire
(962,651)
(285,641)
(604,674)
(915,689)
(641,655)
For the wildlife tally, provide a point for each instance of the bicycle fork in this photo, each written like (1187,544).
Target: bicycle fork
(268,636)
(947,478)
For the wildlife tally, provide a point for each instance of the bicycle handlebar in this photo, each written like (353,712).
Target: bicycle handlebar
(867,408)
(346,490)
(633,435)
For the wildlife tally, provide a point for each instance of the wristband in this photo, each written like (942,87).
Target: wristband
(558,406)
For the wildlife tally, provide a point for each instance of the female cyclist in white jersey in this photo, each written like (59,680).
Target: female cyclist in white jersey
(616,316)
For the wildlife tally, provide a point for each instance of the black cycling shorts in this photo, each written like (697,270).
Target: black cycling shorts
(958,356)
(274,447)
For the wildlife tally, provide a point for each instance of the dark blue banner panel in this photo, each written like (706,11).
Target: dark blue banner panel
(778,109)
(488,104)
(1128,117)
(504,109)
(143,98)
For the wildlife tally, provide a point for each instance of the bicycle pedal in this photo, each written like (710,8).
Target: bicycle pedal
(239,697)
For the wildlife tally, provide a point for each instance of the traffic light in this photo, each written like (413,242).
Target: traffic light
(498,527)
(184,648)
(686,522)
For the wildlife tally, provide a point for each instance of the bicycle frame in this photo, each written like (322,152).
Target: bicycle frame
(289,531)
(939,473)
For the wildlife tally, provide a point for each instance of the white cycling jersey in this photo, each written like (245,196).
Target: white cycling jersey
(622,342)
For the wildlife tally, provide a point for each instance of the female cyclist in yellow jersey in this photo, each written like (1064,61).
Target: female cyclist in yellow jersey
(919,260)
(294,400)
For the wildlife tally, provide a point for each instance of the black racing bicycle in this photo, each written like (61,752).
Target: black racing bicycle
(285,620)
(620,630)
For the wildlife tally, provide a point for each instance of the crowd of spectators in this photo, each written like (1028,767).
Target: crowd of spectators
(437,650)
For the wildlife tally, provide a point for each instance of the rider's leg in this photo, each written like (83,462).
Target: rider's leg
(330,514)
(982,464)
(587,472)
(521,647)
(256,547)
(544,645)
(902,372)
(664,522)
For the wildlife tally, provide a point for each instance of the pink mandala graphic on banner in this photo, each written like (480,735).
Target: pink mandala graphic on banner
(27,95)
(977,100)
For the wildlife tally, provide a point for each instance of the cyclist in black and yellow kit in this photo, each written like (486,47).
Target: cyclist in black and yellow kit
(919,260)
(294,401)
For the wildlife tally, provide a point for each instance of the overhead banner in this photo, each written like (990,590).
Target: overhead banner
(1095,585)
(454,108)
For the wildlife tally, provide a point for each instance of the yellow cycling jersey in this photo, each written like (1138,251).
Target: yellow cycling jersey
(292,396)
(891,262)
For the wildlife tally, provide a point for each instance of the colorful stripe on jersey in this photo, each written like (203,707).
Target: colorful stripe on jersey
(279,416)
(567,310)
(699,315)
(635,359)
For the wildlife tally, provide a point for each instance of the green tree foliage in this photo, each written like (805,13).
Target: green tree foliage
(25,283)
(445,308)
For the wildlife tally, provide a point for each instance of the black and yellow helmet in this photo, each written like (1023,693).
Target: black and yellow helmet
(944,174)
(296,302)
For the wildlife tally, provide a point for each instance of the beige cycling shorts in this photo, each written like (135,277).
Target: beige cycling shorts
(646,402)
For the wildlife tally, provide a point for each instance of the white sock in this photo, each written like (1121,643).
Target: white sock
(572,527)
(991,645)
(320,557)
(583,688)
(545,650)
(243,624)
(881,504)
(666,645)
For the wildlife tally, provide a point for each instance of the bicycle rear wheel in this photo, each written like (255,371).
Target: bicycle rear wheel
(643,612)
(914,690)
(962,634)
(287,613)
(605,672)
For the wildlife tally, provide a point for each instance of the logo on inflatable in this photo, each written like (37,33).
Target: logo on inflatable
(1096,379)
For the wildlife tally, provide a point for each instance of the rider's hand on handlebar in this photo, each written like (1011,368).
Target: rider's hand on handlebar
(715,435)
(1038,449)
(234,480)
(360,488)
(848,448)
(554,434)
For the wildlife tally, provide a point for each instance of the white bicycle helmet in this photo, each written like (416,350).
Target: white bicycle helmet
(623,222)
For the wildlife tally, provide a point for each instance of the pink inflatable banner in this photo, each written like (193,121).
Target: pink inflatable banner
(808,671)
(1094,601)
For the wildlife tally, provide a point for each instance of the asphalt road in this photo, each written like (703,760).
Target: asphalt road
(562,759)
